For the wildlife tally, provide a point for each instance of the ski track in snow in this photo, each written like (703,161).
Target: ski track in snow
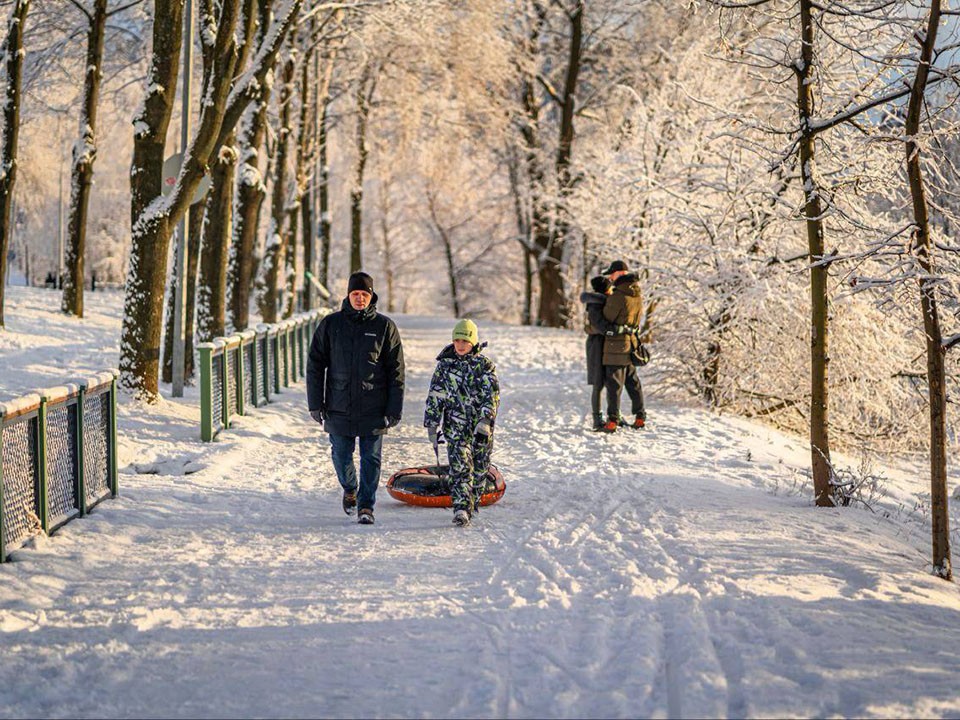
(644,574)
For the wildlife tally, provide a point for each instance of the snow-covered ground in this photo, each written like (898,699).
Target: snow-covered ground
(677,572)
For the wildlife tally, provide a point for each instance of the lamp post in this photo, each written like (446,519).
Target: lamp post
(180,272)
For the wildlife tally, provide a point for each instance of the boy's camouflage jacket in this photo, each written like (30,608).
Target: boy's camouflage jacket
(463,391)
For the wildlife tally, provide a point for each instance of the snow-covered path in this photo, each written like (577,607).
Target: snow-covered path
(644,574)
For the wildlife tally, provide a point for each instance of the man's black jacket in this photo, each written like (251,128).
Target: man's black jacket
(355,371)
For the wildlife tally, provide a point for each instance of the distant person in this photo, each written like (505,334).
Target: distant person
(50,282)
(355,383)
(462,404)
(624,307)
(598,328)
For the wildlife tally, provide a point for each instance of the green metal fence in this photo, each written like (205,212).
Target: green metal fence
(58,457)
(245,371)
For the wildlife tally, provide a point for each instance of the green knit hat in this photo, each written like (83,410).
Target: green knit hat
(466,330)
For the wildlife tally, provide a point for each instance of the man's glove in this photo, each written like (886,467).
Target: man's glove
(483,429)
(391,421)
(317,415)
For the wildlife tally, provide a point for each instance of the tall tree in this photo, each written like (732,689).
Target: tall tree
(85,152)
(554,310)
(922,248)
(366,87)
(250,193)
(214,250)
(154,216)
(819,263)
(13,52)
(274,257)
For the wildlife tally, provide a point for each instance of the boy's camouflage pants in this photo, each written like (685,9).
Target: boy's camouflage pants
(469,460)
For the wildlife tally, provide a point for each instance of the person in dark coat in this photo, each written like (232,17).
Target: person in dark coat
(355,381)
(624,307)
(597,328)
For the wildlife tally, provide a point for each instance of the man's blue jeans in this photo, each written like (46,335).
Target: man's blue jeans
(370,449)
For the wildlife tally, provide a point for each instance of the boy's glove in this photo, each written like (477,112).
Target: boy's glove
(434,434)
(482,430)
(317,415)
(391,421)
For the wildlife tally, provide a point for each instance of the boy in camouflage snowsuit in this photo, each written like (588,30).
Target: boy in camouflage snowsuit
(464,397)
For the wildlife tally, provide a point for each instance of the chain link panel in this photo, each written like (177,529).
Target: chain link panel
(61,461)
(96,445)
(21,518)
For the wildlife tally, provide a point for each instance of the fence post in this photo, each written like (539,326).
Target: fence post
(238,373)
(206,391)
(114,470)
(263,335)
(302,343)
(224,379)
(242,400)
(42,508)
(291,361)
(81,482)
(275,357)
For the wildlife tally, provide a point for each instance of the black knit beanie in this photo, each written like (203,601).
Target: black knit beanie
(600,284)
(360,281)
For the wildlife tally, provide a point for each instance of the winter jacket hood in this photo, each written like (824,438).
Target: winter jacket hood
(450,352)
(628,284)
(592,298)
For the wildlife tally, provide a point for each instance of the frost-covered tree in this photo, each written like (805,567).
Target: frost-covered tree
(95,14)
(13,55)
(154,216)
(275,252)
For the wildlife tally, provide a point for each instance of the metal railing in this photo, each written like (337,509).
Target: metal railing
(58,457)
(243,371)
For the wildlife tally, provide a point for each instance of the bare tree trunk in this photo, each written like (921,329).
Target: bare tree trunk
(218,212)
(275,254)
(250,194)
(447,252)
(819,303)
(143,303)
(211,296)
(84,156)
(368,77)
(524,230)
(324,223)
(300,208)
(389,270)
(554,304)
(291,260)
(922,248)
(540,233)
(13,51)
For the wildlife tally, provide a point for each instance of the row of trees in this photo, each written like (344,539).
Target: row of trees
(781,171)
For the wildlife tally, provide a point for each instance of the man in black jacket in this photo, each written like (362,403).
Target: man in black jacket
(355,379)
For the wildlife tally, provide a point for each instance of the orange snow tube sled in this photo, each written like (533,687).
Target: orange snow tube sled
(428,487)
